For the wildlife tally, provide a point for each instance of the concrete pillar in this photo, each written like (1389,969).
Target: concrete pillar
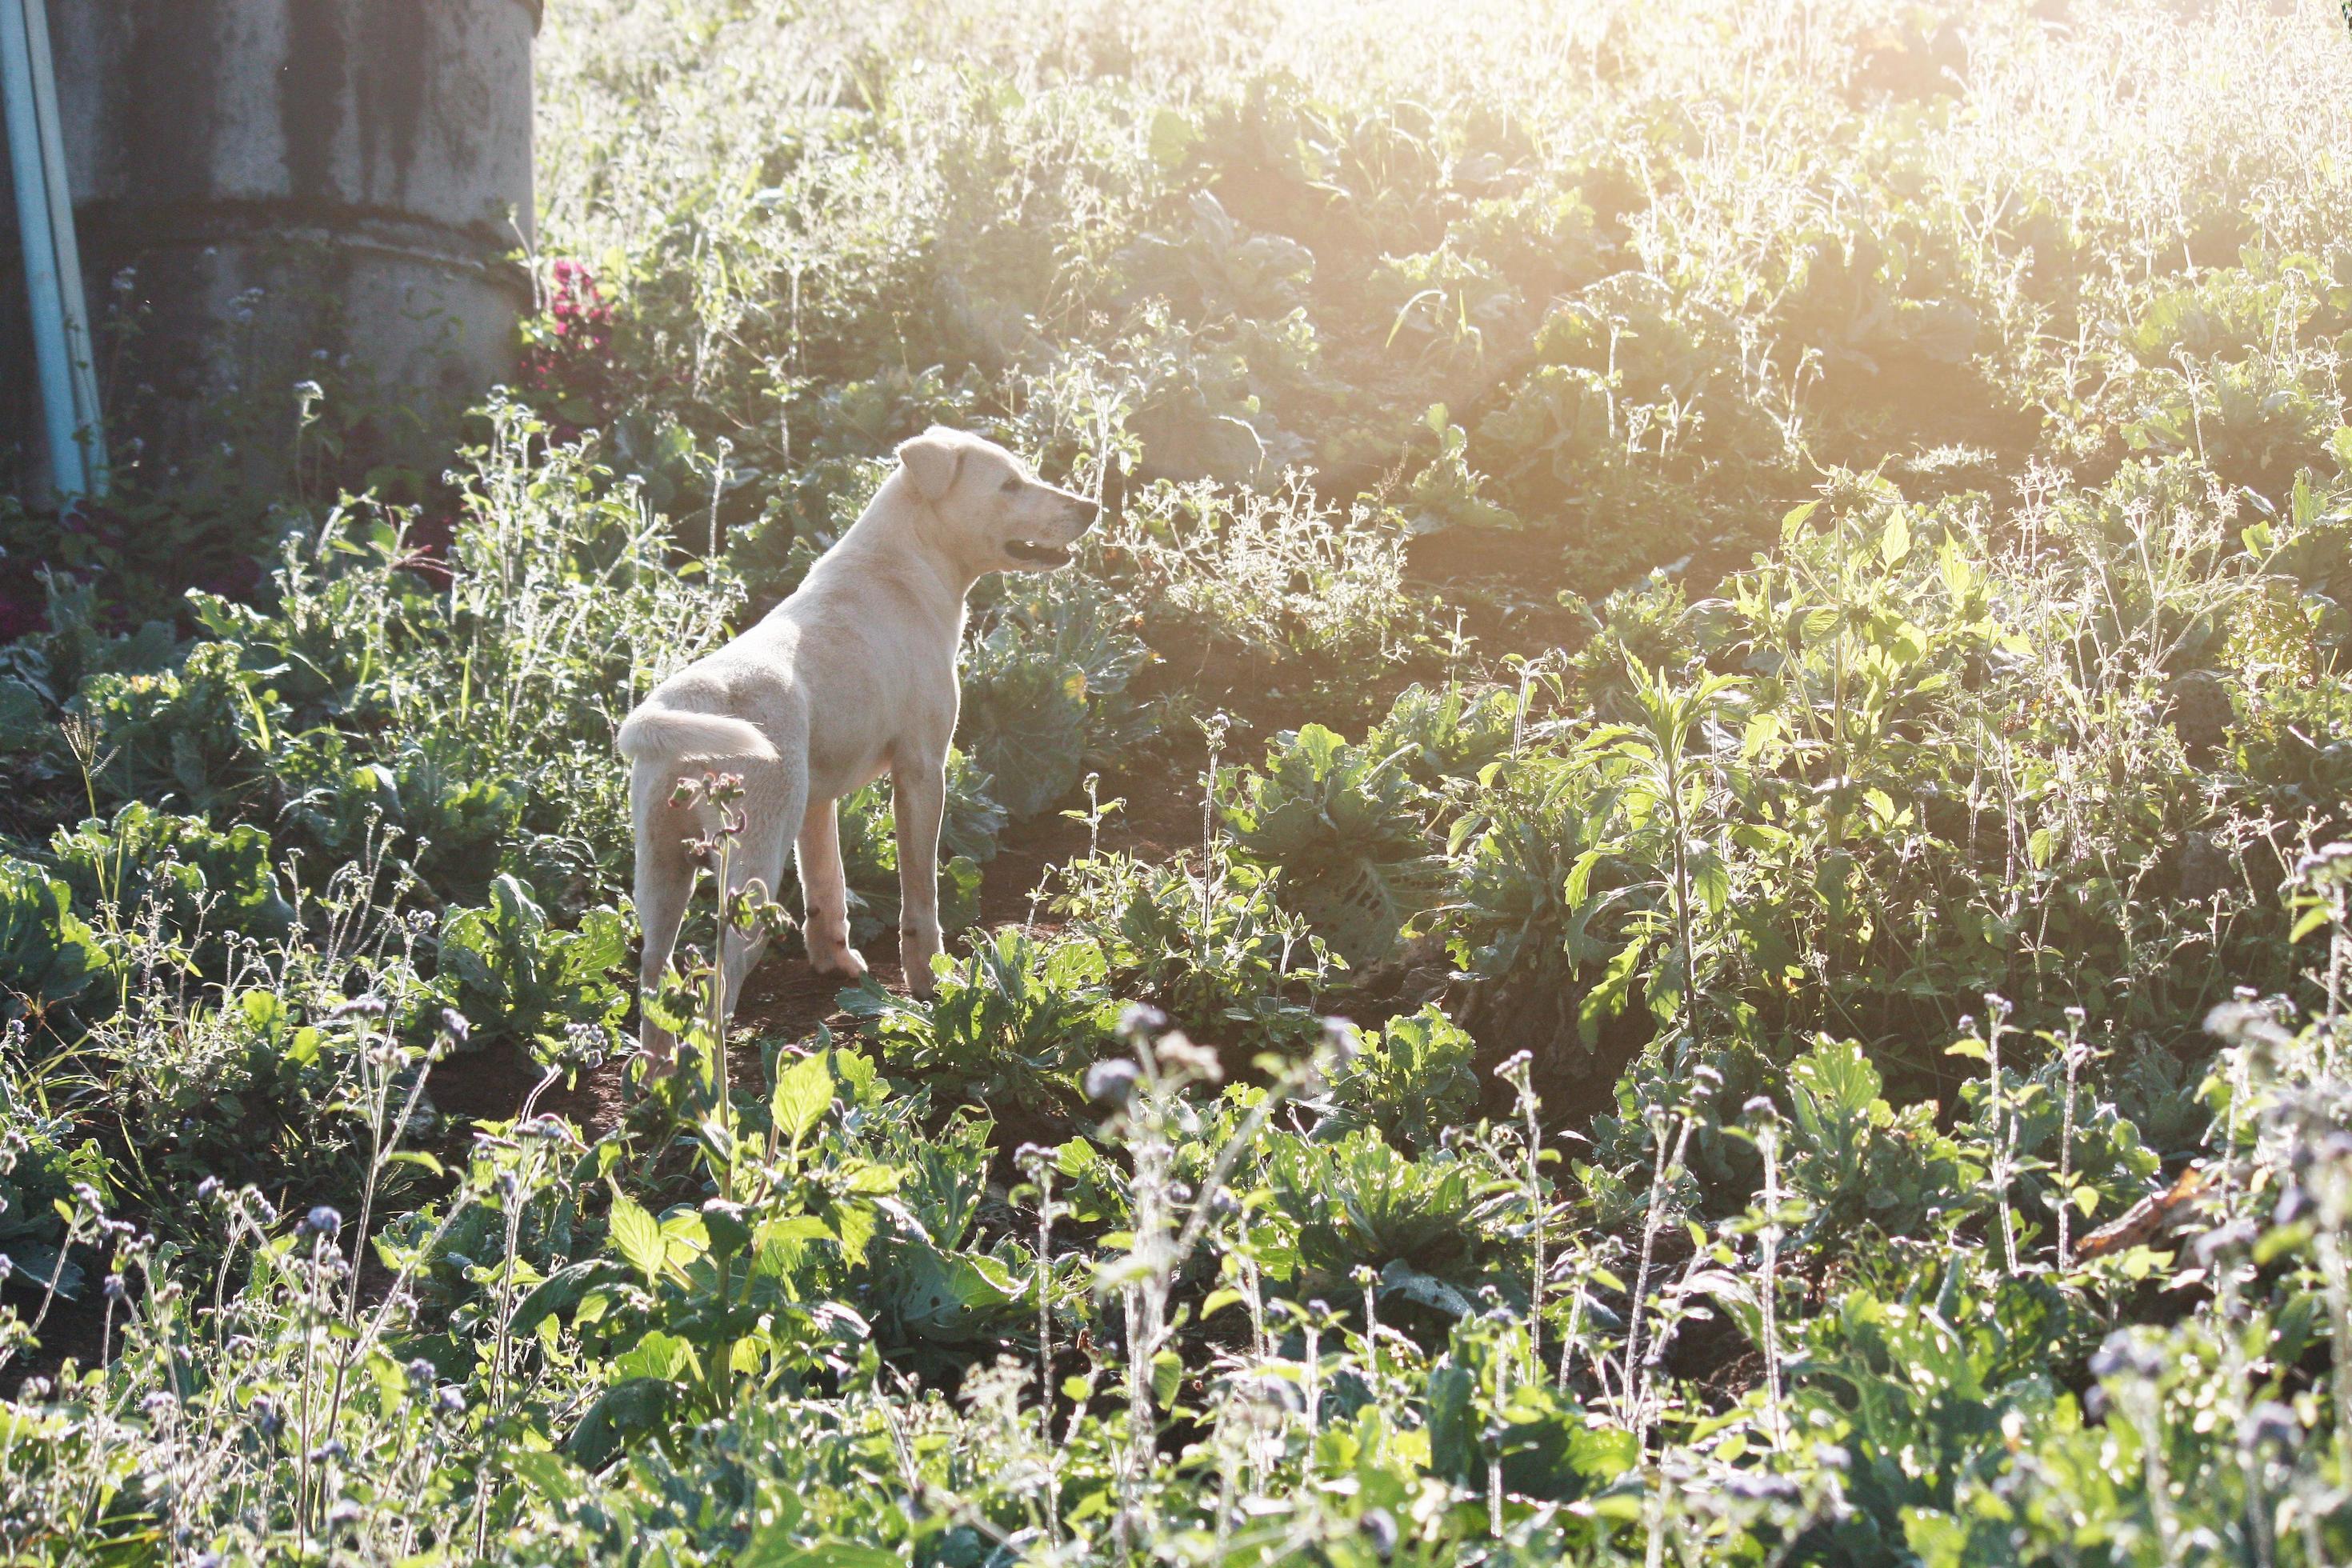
(274,190)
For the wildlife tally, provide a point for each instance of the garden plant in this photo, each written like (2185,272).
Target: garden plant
(1674,886)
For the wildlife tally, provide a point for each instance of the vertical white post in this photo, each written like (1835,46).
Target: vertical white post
(63,352)
(82,340)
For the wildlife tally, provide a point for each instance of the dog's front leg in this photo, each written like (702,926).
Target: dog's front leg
(824,890)
(918,794)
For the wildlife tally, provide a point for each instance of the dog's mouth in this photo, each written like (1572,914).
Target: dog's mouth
(1033,555)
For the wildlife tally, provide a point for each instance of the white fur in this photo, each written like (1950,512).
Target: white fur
(853,675)
(691,737)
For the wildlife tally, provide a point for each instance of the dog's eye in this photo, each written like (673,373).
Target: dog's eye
(1009,486)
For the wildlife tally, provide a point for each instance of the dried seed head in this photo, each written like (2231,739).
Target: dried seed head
(2271,1426)
(1112,1082)
(1177,1051)
(2125,1355)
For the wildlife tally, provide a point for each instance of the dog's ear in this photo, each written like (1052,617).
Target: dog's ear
(932,461)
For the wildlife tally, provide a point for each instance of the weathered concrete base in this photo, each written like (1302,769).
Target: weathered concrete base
(271,191)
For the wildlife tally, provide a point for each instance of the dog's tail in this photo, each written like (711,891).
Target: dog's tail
(679,736)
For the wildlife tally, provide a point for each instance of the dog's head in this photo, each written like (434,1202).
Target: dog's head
(999,516)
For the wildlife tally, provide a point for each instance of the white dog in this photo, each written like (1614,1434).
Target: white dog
(853,673)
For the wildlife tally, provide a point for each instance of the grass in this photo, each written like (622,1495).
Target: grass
(1693,899)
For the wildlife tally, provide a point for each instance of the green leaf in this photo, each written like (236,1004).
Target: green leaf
(960,882)
(1953,566)
(803,1096)
(1936,1540)
(24,721)
(852,1227)
(547,1474)
(1580,878)
(772,1547)
(2040,846)
(1609,995)
(46,954)
(561,1291)
(1167,1376)
(1895,541)
(638,1238)
(627,1410)
(1172,138)
(1710,879)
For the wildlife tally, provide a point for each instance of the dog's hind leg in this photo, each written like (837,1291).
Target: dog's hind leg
(824,889)
(663,884)
(775,799)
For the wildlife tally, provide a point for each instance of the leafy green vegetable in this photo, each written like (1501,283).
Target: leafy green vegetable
(517,979)
(1413,1081)
(1357,1202)
(201,881)
(1348,829)
(47,955)
(1012,1025)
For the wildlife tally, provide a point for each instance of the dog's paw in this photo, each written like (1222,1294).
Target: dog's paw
(844,964)
(917,948)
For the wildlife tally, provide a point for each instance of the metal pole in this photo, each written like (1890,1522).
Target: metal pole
(60,321)
(90,416)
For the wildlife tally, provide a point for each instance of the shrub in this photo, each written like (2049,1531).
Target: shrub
(1045,691)
(1355,1202)
(1227,962)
